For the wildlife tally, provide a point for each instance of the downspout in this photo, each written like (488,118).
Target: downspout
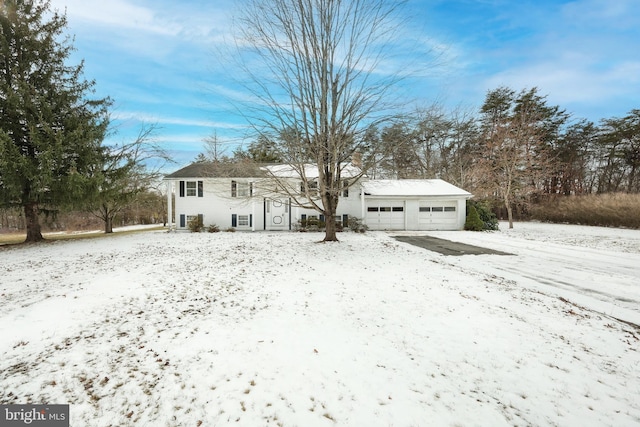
(253,213)
(362,216)
(169,205)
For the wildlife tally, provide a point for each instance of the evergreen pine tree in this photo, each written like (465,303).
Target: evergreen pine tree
(473,222)
(50,131)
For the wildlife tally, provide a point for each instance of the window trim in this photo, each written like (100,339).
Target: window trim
(345,188)
(243,221)
(241,189)
(191,188)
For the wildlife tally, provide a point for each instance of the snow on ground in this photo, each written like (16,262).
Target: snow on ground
(592,266)
(258,329)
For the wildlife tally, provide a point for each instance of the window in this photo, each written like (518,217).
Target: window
(191,188)
(345,188)
(397,209)
(437,209)
(425,209)
(449,208)
(372,209)
(241,189)
(385,209)
(313,187)
(241,220)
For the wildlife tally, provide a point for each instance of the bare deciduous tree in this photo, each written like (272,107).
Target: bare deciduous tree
(315,71)
(124,172)
(214,150)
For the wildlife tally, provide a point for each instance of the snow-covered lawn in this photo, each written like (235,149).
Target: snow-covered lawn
(257,329)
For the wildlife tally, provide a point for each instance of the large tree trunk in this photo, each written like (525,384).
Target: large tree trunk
(108,225)
(330,228)
(330,204)
(507,204)
(34,233)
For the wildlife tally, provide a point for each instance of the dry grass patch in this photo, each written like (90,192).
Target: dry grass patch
(18,238)
(608,210)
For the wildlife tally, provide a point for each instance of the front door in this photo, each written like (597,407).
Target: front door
(277,214)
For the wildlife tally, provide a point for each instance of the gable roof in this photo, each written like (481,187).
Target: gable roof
(218,170)
(412,187)
(310,171)
(248,169)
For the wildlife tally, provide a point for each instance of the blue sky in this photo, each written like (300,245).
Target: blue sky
(160,60)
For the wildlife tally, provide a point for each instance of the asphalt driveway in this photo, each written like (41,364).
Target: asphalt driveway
(447,247)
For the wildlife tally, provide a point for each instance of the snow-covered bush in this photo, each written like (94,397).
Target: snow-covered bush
(356,225)
(195,225)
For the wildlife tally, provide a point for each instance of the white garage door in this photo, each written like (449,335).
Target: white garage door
(438,215)
(385,215)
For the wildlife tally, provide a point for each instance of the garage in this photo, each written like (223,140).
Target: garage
(385,215)
(413,204)
(437,215)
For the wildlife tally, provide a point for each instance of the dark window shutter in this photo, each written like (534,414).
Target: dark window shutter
(200,189)
(183,219)
(234,189)
(322,218)
(345,220)
(201,219)
(234,220)
(181,188)
(251,189)
(250,220)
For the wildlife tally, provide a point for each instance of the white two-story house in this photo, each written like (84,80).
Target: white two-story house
(246,197)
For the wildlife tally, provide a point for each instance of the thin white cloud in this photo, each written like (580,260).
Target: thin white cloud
(581,54)
(188,21)
(178,121)
(116,13)
(619,14)
(568,85)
